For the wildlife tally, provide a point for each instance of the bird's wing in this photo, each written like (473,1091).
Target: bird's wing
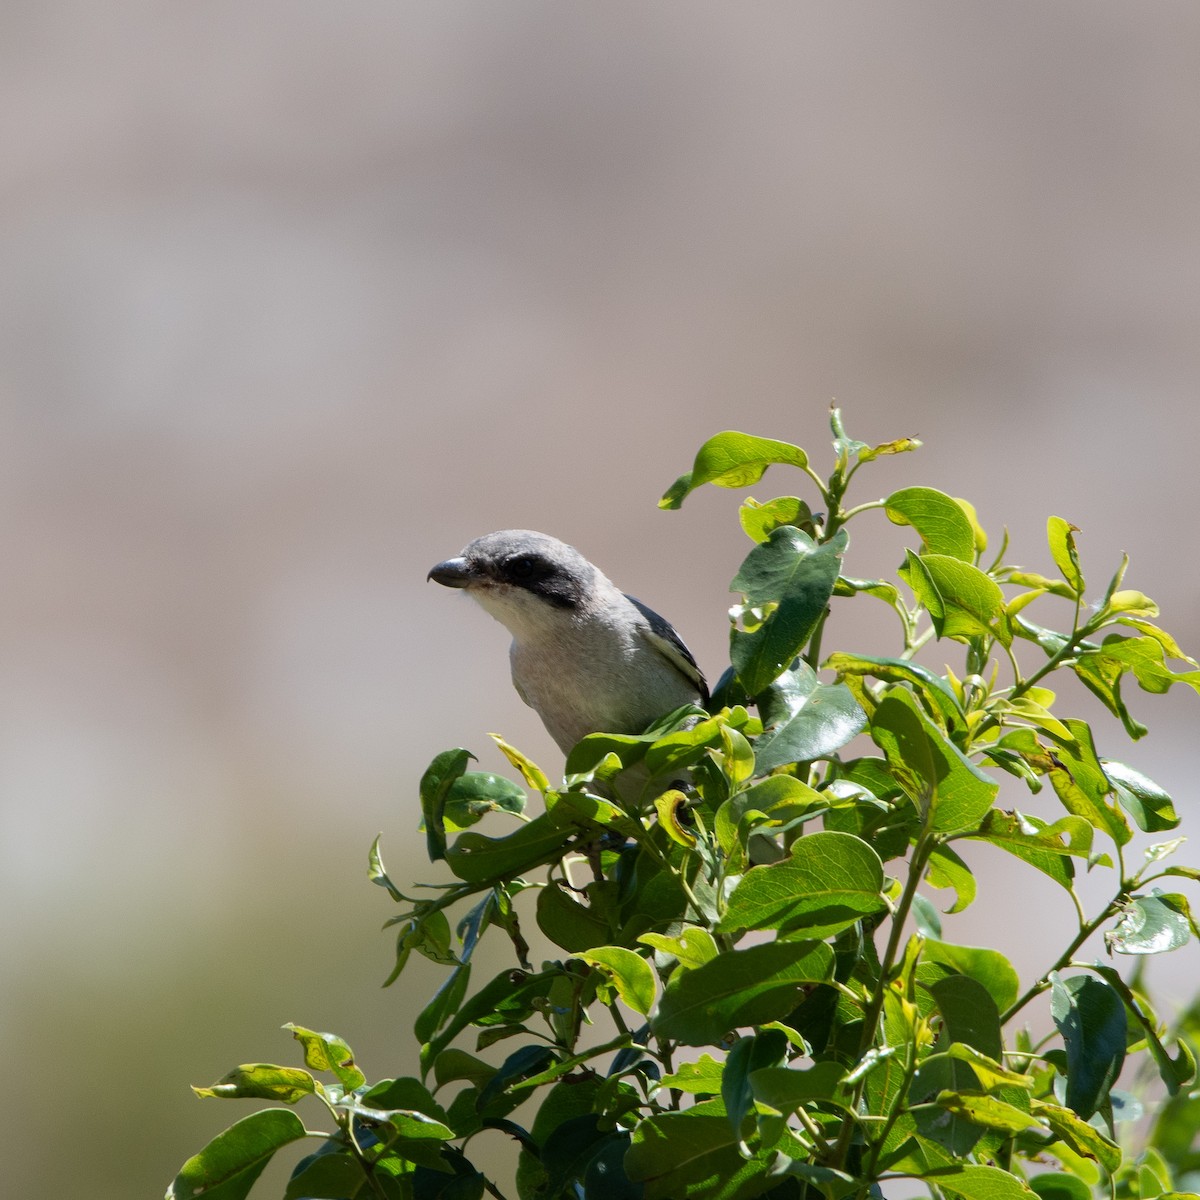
(662,636)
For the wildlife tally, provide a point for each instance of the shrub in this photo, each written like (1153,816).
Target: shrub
(751,994)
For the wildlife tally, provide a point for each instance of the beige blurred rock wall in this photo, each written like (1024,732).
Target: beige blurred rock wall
(295,298)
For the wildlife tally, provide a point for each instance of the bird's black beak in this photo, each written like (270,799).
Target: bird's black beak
(454,572)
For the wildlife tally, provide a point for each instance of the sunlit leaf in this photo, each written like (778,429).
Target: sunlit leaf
(941,522)
(732,460)
(1061,536)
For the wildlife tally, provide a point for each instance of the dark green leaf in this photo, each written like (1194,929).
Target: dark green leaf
(693,1155)
(969,1012)
(327,1177)
(1051,1185)
(567,923)
(787,1089)
(787,581)
(436,783)
(940,520)
(474,794)
(985,966)
(1091,1018)
(830,881)
(228,1166)
(520,1065)
(804,719)
(507,1000)
(731,459)
(749,1054)
(443,1005)
(935,773)
(477,859)
(739,988)
(1141,798)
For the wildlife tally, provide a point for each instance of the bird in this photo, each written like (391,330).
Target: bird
(586,657)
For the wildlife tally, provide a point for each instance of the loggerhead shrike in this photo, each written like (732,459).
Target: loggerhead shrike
(585,657)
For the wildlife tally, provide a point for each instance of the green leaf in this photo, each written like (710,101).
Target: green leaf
(630,974)
(987,1111)
(1061,536)
(788,1089)
(804,719)
(507,1000)
(1150,925)
(407,1095)
(936,691)
(776,803)
(533,775)
(436,783)
(262,1081)
(787,582)
(326,1175)
(1141,798)
(567,923)
(1144,657)
(969,1012)
(830,881)
(1091,1018)
(896,446)
(747,1055)
(228,1166)
(701,1078)
(1083,787)
(328,1052)
(692,948)
(443,1005)
(739,988)
(1038,843)
(476,793)
(759,519)
(979,1183)
(676,1153)
(942,523)
(732,460)
(1085,1139)
(478,859)
(964,603)
(990,1073)
(938,777)
(1052,1185)
(947,870)
(985,966)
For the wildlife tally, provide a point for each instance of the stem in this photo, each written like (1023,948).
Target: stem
(1064,959)
(924,847)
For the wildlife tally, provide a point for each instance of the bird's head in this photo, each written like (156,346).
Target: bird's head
(520,576)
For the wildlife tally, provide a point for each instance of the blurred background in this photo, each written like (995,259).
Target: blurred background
(296,298)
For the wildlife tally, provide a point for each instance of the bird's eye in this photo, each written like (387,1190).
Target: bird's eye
(522,566)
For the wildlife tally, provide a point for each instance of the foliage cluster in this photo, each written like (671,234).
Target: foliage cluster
(752,994)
